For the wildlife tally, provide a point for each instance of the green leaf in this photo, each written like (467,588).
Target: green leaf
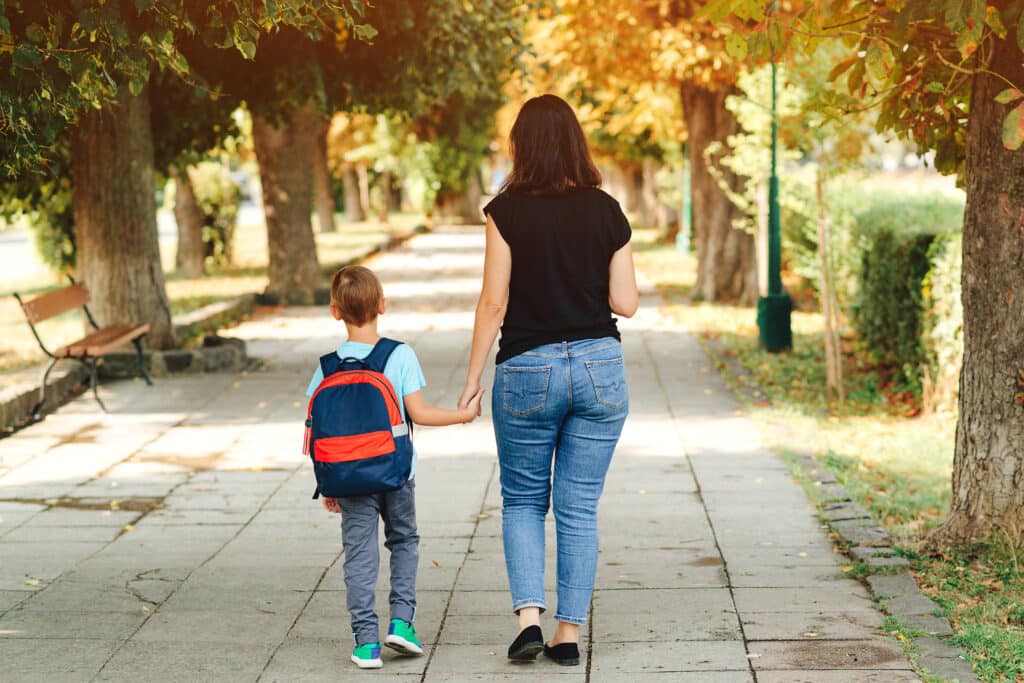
(365,32)
(1013,129)
(935,86)
(1009,95)
(736,46)
(966,43)
(877,62)
(247,48)
(34,32)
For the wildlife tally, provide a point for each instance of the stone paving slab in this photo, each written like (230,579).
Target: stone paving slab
(174,539)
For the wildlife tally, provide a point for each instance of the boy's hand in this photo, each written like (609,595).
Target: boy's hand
(472,409)
(330,504)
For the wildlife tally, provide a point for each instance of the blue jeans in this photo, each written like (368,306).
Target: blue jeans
(562,403)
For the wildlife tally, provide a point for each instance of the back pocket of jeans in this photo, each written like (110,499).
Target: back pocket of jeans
(609,379)
(526,389)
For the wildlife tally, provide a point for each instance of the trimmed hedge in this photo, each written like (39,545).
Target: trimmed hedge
(891,313)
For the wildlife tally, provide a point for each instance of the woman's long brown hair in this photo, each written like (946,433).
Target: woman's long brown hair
(549,151)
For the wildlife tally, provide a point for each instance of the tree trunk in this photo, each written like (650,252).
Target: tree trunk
(394,193)
(654,215)
(115,218)
(988,466)
(726,262)
(322,178)
(632,175)
(463,206)
(833,350)
(191,255)
(284,152)
(364,187)
(353,203)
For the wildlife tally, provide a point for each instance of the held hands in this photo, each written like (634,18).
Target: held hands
(468,394)
(470,408)
(330,504)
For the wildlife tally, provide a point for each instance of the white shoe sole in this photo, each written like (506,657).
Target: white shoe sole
(367,663)
(402,645)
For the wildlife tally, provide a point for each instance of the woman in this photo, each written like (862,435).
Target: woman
(558,264)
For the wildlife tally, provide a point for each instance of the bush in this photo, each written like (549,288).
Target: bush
(896,234)
(218,197)
(942,331)
(53,231)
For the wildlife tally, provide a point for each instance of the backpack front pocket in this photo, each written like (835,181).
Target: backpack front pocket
(356,447)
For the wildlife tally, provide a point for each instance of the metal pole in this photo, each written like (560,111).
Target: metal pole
(774,310)
(774,221)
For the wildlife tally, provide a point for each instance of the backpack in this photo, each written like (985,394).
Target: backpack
(355,434)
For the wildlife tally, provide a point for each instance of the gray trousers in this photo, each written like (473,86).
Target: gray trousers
(359,535)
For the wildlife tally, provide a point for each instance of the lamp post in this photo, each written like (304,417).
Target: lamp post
(774,309)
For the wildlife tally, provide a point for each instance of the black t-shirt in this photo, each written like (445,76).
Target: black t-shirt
(561,246)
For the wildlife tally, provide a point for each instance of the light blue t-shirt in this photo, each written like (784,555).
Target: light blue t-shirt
(402,370)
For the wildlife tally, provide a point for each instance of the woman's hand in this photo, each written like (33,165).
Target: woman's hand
(468,394)
(471,411)
(330,504)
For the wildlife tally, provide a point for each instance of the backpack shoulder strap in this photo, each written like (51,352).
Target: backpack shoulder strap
(330,363)
(382,350)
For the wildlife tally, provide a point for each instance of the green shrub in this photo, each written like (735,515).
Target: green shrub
(218,197)
(895,234)
(942,333)
(53,231)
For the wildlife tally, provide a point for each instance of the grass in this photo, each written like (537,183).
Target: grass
(18,349)
(893,460)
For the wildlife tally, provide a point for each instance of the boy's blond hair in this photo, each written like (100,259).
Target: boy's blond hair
(356,293)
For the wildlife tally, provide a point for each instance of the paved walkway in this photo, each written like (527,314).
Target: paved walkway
(173,539)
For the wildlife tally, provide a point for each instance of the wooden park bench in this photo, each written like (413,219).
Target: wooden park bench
(89,349)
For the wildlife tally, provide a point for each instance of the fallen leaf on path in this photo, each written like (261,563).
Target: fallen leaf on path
(436,563)
(129,527)
(801,554)
(31,582)
(810,634)
(482,515)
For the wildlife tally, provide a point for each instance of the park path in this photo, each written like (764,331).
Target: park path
(173,539)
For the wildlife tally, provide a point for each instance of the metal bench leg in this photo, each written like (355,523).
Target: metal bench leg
(141,361)
(37,409)
(94,380)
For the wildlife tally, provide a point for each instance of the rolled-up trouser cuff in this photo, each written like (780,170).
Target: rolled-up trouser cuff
(579,621)
(404,612)
(518,605)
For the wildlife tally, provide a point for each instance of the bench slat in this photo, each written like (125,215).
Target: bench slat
(56,302)
(103,340)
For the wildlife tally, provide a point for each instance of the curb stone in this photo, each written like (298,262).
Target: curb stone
(899,593)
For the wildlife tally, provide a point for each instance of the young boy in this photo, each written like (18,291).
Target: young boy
(357,298)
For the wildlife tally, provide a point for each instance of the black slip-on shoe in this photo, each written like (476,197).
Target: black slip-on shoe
(527,645)
(564,654)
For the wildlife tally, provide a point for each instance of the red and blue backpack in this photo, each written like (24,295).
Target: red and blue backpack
(355,434)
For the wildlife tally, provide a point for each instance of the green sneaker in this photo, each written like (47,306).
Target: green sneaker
(367,656)
(402,638)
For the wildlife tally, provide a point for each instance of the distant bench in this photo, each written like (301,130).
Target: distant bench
(89,349)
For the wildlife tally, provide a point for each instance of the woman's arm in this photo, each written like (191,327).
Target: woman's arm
(490,309)
(422,413)
(623,295)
